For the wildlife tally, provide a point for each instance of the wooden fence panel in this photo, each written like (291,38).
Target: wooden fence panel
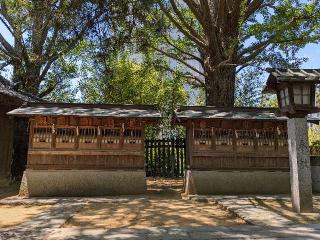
(165,157)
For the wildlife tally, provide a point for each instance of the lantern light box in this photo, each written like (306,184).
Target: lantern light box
(295,89)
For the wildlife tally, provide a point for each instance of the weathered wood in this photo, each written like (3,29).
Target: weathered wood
(237,144)
(86,143)
(165,157)
(6,141)
(64,161)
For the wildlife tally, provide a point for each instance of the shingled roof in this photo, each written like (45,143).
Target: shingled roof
(7,90)
(234,113)
(278,75)
(207,112)
(87,110)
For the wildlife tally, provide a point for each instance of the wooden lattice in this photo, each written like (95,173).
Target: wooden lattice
(133,139)
(110,137)
(42,137)
(245,138)
(266,138)
(88,137)
(202,136)
(282,139)
(65,137)
(224,137)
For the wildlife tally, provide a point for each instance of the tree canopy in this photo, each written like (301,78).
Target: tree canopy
(132,51)
(224,37)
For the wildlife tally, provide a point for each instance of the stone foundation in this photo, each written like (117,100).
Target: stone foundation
(74,183)
(237,182)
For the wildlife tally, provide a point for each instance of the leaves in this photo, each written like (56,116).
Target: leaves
(130,79)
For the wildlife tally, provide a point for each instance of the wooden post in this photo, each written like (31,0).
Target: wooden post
(122,136)
(189,145)
(53,136)
(31,133)
(76,143)
(276,139)
(234,141)
(213,139)
(255,140)
(99,138)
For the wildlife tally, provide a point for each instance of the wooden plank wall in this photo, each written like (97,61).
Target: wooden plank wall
(6,138)
(241,149)
(84,146)
(81,160)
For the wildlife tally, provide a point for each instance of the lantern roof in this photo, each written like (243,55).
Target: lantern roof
(278,75)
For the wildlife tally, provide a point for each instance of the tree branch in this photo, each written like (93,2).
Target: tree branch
(79,35)
(179,60)
(46,69)
(7,46)
(187,33)
(257,46)
(194,7)
(184,52)
(7,26)
(184,22)
(196,81)
(253,6)
(49,89)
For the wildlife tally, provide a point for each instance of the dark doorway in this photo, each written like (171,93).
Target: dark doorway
(165,157)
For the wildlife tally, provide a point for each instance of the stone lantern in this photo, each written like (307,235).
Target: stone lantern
(295,89)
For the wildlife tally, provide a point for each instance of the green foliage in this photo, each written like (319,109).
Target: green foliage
(129,79)
(128,83)
(269,101)
(131,82)
(201,39)
(48,35)
(314,135)
(248,88)
(201,97)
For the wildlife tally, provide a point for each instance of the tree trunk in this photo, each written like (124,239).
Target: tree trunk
(220,87)
(27,77)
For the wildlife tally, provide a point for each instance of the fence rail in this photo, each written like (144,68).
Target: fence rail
(165,157)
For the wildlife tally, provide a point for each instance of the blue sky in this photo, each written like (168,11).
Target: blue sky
(312,52)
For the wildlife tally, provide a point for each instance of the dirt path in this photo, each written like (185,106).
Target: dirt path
(162,208)
(8,191)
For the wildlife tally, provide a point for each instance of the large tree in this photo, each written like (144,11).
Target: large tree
(40,33)
(224,36)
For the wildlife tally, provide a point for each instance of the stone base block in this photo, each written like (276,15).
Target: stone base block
(75,183)
(237,182)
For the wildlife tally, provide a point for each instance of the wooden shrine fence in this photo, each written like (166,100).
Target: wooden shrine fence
(165,157)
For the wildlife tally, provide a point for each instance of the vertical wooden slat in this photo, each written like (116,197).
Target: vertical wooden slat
(147,162)
(165,157)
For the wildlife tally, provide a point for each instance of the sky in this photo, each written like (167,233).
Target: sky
(312,52)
